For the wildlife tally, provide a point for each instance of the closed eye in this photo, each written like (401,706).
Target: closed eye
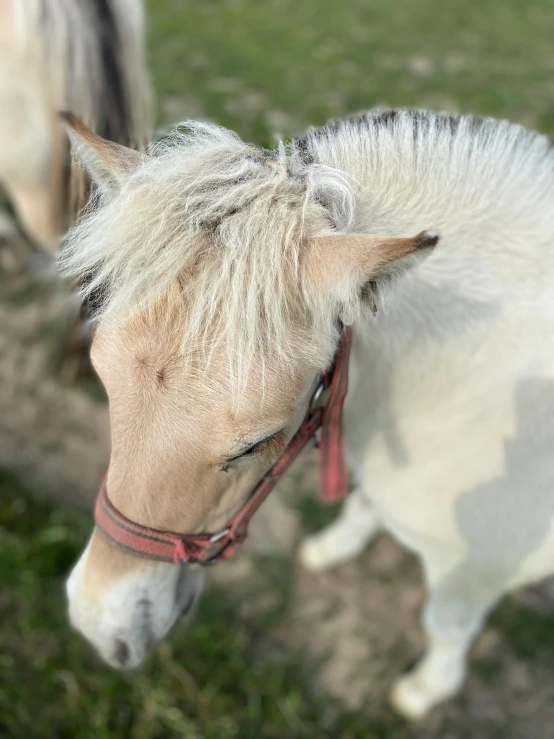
(259,446)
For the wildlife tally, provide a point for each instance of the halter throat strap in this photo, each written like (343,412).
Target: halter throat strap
(209,548)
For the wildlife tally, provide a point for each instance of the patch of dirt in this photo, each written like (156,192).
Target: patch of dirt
(55,435)
(360,619)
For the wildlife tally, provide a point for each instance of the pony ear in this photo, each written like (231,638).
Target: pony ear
(106,162)
(349,265)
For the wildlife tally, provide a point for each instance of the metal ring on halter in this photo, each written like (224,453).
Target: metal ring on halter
(217,537)
(316,396)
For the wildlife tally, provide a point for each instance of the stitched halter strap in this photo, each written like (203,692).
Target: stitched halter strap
(208,548)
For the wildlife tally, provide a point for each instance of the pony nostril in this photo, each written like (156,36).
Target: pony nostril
(188,605)
(122,652)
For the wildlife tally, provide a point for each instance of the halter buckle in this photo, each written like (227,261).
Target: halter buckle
(216,537)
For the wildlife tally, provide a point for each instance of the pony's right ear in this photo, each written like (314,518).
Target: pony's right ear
(106,162)
(347,266)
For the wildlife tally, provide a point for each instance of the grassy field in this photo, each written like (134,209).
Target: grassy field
(278,66)
(266,69)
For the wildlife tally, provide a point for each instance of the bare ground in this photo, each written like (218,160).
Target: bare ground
(360,619)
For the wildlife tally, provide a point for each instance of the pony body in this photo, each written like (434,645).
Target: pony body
(449,412)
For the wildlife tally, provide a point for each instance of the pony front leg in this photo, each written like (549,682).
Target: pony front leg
(452,618)
(343,539)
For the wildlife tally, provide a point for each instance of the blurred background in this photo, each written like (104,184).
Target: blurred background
(273,652)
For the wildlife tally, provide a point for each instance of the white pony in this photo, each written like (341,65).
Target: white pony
(223,270)
(83,55)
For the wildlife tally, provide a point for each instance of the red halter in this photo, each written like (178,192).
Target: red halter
(206,548)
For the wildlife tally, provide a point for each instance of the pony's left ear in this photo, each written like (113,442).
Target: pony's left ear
(106,162)
(346,266)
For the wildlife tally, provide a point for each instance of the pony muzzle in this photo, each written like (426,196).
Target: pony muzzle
(124,617)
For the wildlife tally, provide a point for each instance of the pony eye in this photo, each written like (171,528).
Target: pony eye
(254,448)
(258,446)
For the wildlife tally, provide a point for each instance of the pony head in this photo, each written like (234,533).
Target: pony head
(217,274)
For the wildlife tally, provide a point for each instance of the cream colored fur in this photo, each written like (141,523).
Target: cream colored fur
(51,59)
(451,401)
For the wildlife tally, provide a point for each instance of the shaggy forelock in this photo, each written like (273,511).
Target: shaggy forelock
(226,222)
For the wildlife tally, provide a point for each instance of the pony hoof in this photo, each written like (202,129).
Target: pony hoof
(411,699)
(314,555)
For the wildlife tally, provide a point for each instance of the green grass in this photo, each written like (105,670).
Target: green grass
(529,634)
(278,66)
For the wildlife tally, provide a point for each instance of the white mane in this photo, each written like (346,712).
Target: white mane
(227,221)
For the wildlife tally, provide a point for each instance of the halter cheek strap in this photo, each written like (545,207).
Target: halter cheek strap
(208,548)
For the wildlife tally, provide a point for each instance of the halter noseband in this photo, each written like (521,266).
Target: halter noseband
(207,549)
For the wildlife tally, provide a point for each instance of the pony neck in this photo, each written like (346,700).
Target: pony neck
(463,175)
